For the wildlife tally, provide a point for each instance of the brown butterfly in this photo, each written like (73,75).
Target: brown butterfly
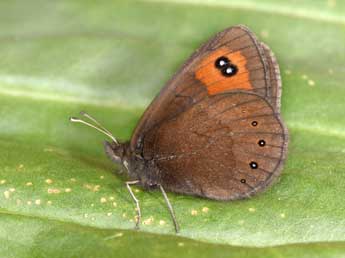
(214,130)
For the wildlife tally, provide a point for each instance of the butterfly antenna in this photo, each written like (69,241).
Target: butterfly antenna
(83,113)
(101,129)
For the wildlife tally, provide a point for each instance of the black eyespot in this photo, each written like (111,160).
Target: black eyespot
(262,143)
(221,62)
(254,123)
(253,165)
(243,181)
(229,70)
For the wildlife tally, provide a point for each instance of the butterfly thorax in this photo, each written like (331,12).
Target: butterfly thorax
(135,165)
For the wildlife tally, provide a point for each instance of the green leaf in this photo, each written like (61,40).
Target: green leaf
(61,197)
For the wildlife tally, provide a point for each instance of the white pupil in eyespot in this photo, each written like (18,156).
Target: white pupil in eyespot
(229,70)
(222,62)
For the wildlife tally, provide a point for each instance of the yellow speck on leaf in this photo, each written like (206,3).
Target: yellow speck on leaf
(205,209)
(311,82)
(251,209)
(103,200)
(93,188)
(53,191)
(29,184)
(148,221)
(49,181)
(194,212)
(7,194)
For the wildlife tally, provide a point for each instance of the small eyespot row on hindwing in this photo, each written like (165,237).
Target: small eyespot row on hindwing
(261,143)
(243,181)
(253,165)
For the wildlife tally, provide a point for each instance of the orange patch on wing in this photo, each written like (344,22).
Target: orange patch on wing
(212,78)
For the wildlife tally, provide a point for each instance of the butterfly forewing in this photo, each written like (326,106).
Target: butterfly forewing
(275,80)
(199,78)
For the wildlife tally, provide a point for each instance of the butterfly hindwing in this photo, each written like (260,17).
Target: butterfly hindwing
(227,146)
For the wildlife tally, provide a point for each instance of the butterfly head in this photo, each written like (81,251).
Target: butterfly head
(115,152)
(136,167)
(120,154)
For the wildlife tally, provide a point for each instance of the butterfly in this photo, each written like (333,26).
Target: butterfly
(214,130)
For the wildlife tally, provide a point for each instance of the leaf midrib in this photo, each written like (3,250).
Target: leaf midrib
(294,125)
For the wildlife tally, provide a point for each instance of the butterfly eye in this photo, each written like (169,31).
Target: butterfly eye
(229,70)
(221,62)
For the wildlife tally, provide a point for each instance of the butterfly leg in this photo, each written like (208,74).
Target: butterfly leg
(172,213)
(138,218)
